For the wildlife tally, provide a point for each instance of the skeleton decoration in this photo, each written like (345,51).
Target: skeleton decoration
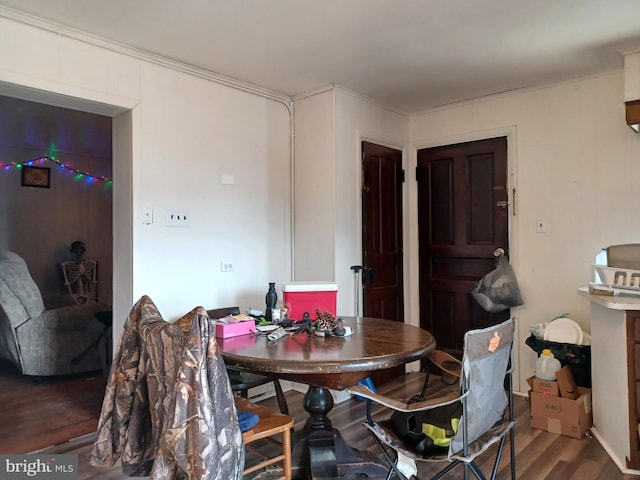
(80,275)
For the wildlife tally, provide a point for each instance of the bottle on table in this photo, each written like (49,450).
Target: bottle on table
(271,299)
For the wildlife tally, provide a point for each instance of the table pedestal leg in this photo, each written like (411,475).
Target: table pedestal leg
(318,402)
(320,452)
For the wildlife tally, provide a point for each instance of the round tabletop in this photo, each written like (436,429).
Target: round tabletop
(332,361)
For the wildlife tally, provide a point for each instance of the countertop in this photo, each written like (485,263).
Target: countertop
(615,302)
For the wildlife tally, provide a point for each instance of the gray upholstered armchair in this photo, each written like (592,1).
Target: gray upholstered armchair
(44,342)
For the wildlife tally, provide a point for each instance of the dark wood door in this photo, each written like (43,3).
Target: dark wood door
(382,295)
(463,218)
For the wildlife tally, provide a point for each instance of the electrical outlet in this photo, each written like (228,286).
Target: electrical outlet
(226,266)
(178,217)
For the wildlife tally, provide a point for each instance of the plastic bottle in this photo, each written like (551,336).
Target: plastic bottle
(271,298)
(547,365)
(601,259)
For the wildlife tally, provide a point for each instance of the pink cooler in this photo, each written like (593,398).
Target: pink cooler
(300,297)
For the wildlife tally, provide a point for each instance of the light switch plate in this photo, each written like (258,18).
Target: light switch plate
(147,216)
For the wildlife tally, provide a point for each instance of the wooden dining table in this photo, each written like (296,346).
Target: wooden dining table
(324,363)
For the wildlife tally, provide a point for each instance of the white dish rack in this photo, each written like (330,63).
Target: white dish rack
(622,278)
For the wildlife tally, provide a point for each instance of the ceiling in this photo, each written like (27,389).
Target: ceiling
(409,55)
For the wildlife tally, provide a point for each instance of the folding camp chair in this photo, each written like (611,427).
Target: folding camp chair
(485,397)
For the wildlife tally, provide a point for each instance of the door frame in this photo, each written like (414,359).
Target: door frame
(412,292)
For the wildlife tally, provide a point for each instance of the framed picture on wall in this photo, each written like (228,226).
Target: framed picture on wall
(36,177)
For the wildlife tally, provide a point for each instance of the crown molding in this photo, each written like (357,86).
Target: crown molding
(100,42)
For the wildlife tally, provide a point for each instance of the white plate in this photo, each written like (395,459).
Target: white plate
(564,330)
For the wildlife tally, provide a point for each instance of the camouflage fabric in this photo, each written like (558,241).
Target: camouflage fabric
(168,409)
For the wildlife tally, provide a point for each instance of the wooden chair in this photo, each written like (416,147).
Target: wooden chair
(271,423)
(242,380)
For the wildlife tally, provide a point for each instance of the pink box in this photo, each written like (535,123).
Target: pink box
(226,330)
(300,297)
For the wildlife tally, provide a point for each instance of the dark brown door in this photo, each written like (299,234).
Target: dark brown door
(382,178)
(463,219)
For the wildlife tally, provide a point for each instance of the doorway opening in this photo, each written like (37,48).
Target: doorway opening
(74,149)
(120,114)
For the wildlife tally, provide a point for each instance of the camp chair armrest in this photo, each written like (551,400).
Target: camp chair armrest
(365,392)
(446,362)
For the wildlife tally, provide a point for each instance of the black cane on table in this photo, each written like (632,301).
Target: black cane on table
(356,285)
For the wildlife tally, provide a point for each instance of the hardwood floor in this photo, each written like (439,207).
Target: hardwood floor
(38,415)
(539,455)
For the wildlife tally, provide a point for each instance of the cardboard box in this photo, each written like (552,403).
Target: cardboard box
(566,383)
(300,297)
(564,386)
(562,416)
(225,330)
(545,387)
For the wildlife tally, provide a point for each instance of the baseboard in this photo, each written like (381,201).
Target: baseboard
(621,465)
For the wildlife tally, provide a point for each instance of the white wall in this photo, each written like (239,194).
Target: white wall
(576,166)
(314,191)
(190,140)
(186,131)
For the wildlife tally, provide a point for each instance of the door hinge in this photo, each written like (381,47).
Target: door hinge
(402,176)
(417,174)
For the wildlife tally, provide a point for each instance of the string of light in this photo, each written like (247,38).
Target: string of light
(79,175)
